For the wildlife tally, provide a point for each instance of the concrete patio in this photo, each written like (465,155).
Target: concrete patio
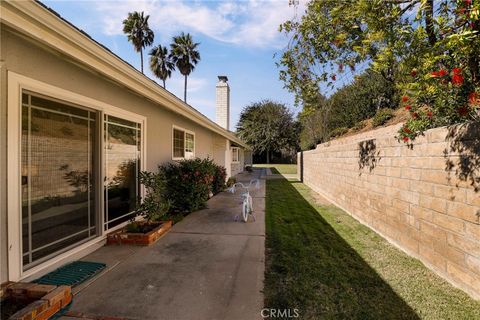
(207,267)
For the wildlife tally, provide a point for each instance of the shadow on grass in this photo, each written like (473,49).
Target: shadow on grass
(311,268)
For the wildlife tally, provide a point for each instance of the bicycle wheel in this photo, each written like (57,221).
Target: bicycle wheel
(245,210)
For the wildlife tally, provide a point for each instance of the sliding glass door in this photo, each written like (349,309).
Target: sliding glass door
(122,167)
(58,177)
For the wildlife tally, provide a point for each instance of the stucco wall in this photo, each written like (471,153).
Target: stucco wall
(423,198)
(238,166)
(29,59)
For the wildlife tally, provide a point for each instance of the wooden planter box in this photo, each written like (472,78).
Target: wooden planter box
(42,301)
(140,239)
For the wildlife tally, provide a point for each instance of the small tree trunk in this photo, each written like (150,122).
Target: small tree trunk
(429,28)
(185,91)
(474,70)
(268,157)
(141,60)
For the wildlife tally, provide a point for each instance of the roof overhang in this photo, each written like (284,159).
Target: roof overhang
(38,22)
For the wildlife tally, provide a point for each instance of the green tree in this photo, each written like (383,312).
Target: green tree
(185,56)
(314,121)
(334,35)
(361,99)
(405,41)
(347,107)
(138,32)
(161,63)
(268,127)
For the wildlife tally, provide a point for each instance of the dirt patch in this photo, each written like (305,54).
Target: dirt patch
(10,306)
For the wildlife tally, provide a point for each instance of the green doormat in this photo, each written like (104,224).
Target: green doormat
(72,274)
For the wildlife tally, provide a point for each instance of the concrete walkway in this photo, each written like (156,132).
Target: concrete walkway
(207,267)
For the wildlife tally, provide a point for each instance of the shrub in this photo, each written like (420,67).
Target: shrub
(231,181)
(359,125)
(361,99)
(155,204)
(382,116)
(189,183)
(441,97)
(133,227)
(338,132)
(219,176)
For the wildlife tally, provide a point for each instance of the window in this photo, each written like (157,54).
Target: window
(183,144)
(235,154)
(122,167)
(189,145)
(74,165)
(58,177)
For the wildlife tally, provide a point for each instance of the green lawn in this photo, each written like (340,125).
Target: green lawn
(279,168)
(328,266)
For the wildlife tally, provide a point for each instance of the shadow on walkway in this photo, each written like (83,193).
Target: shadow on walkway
(312,268)
(207,267)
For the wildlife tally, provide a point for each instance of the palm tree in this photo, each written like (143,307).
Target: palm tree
(161,63)
(138,32)
(185,56)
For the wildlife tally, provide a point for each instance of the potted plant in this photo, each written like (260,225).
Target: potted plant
(147,226)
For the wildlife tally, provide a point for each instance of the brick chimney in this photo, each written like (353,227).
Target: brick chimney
(223,102)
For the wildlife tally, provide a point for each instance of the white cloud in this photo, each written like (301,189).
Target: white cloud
(248,23)
(176,84)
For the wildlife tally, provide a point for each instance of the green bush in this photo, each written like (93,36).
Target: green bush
(231,181)
(361,99)
(338,132)
(382,116)
(359,125)
(155,204)
(219,176)
(189,182)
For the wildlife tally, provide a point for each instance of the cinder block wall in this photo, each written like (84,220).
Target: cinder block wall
(425,198)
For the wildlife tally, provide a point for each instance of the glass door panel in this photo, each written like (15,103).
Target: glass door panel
(122,166)
(58,189)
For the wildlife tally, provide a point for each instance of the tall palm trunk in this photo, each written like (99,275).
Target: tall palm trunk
(164,84)
(185,90)
(268,156)
(141,59)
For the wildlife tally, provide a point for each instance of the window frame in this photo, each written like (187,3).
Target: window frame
(185,132)
(16,84)
(237,149)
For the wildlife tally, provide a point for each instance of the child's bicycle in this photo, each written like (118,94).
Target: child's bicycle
(247,202)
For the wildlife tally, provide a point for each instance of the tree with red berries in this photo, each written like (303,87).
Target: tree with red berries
(443,82)
(430,50)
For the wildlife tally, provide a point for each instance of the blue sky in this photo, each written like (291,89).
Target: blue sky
(237,39)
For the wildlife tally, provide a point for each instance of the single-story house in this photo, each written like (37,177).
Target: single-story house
(77,126)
